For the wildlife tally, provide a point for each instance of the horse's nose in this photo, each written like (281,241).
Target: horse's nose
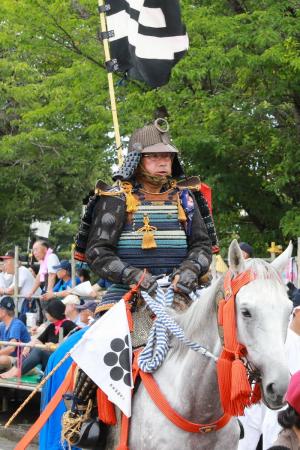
(271,391)
(275,392)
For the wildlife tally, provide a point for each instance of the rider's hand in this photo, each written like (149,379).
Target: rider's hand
(149,283)
(187,282)
(174,282)
(131,276)
(185,278)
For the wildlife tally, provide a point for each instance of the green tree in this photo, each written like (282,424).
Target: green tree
(55,118)
(233,103)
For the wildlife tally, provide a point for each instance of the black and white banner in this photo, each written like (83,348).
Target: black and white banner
(149,38)
(105,353)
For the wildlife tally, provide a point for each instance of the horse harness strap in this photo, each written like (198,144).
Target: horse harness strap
(232,286)
(164,406)
(235,376)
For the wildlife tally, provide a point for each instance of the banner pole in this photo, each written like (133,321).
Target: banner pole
(110,67)
(16,283)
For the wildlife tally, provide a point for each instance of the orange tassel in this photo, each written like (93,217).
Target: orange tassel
(181,213)
(221,311)
(234,386)
(148,241)
(106,410)
(240,388)
(131,202)
(224,365)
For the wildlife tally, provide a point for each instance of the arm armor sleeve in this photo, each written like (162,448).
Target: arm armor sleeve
(207,217)
(199,255)
(109,218)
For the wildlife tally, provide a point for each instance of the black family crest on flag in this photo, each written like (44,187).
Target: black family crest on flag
(119,360)
(108,364)
(148,39)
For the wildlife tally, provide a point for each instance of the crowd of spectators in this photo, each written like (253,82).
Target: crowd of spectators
(45,296)
(49,294)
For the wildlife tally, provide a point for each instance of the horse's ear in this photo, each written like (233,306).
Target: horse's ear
(235,258)
(281,261)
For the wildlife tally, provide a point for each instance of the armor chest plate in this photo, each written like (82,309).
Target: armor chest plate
(169,234)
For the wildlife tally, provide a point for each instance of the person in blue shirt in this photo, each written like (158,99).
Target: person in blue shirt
(64,284)
(11,330)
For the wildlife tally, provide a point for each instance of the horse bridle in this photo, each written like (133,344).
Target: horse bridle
(253,373)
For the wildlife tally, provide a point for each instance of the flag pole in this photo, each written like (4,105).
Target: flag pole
(37,388)
(111,65)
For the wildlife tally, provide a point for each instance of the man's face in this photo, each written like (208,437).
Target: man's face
(61,273)
(2,314)
(39,251)
(158,164)
(9,266)
(85,314)
(245,255)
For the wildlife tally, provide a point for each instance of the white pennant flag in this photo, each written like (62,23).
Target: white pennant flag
(104,353)
(82,289)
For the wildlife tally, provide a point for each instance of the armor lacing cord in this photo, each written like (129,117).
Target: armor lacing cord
(153,355)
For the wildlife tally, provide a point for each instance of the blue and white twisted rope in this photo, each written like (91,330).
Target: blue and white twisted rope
(153,355)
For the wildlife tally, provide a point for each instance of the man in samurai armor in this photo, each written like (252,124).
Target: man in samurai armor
(151,219)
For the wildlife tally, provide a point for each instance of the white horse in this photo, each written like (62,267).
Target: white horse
(188,379)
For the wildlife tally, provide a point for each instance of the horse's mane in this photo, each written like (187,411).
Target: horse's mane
(204,308)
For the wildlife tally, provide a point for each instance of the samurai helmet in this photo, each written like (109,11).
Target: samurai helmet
(153,138)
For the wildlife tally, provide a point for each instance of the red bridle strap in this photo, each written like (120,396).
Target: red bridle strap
(164,406)
(231,288)
(236,392)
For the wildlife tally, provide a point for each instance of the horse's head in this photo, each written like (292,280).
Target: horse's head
(262,310)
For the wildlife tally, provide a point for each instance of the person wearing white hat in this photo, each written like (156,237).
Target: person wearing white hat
(71,312)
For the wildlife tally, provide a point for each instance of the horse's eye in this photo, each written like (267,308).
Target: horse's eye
(246,313)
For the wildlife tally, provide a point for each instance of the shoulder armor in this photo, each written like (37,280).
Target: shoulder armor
(191,183)
(103,188)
